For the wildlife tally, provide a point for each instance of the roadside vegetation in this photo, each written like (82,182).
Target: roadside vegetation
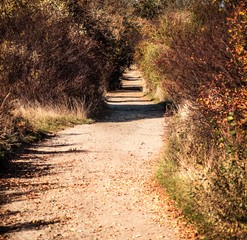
(196,52)
(57,60)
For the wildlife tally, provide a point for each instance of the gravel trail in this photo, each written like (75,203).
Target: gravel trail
(95,181)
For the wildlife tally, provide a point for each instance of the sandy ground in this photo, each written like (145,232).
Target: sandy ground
(95,181)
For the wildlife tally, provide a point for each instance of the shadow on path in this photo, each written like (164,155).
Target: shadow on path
(129,112)
(129,103)
(26,226)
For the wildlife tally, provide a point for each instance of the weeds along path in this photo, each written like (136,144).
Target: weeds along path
(93,181)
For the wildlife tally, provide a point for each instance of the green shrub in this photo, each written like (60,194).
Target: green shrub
(146,57)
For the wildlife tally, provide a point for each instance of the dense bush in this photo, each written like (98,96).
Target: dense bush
(62,52)
(200,52)
(61,49)
(149,9)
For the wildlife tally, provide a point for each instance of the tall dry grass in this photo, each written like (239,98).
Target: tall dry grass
(50,118)
(23,123)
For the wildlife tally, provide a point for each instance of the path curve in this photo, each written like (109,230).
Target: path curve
(93,181)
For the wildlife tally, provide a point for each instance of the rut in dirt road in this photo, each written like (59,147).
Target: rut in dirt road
(92,181)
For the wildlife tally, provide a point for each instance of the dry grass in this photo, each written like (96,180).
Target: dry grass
(25,123)
(52,118)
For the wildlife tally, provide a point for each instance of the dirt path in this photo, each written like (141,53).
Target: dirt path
(94,181)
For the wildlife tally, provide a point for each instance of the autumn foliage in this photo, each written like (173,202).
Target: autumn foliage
(197,53)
